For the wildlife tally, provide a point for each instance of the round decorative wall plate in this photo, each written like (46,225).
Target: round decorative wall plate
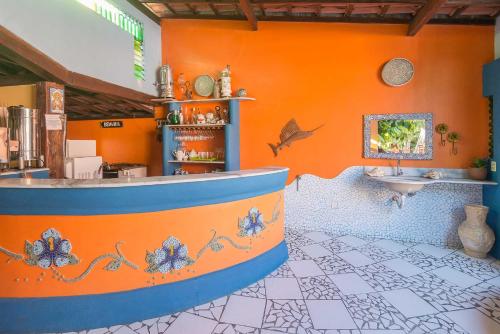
(204,85)
(397,72)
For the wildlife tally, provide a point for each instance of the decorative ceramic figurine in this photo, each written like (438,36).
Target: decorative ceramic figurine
(188,94)
(181,83)
(210,118)
(242,92)
(200,119)
(216,93)
(476,236)
(225,80)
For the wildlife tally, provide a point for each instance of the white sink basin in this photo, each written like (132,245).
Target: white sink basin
(404,184)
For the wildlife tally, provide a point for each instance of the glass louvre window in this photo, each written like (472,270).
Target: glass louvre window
(126,22)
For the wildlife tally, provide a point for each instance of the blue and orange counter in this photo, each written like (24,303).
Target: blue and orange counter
(78,254)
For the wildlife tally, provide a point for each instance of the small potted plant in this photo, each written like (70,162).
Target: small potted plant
(477,170)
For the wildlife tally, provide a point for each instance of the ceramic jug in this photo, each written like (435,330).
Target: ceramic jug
(180,155)
(476,236)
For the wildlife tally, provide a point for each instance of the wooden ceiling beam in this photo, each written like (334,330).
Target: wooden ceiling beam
(349,10)
(246,7)
(384,10)
(457,12)
(170,8)
(145,10)
(382,2)
(496,13)
(262,9)
(424,15)
(191,8)
(213,8)
(18,79)
(362,18)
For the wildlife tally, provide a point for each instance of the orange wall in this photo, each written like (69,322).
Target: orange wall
(322,73)
(135,143)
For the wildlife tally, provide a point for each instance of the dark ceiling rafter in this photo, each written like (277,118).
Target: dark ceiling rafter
(248,10)
(138,5)
(412,12)
(424,15)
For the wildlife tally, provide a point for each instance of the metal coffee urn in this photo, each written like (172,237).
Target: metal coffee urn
(24,137)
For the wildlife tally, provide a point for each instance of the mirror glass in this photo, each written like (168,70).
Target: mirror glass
(398,136)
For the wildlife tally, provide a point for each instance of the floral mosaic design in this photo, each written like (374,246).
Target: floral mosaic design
(54,252)
(173,255)
(50,250)
(252,224)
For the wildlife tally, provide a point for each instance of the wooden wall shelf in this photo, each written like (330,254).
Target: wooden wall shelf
(197,162)
(170,101)
(197,126)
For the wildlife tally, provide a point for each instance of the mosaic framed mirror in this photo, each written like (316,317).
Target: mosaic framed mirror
(398,136)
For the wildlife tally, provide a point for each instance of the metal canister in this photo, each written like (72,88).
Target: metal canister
(4,138)
(24,137)
(166,82)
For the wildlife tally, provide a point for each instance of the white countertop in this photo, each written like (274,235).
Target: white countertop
(449,175)
(134,182)
(19,171)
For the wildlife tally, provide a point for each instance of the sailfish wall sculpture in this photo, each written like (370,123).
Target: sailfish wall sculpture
(291,132)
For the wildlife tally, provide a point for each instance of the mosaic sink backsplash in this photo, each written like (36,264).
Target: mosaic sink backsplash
(353,204)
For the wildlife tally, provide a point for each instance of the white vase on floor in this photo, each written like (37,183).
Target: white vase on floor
(476,236)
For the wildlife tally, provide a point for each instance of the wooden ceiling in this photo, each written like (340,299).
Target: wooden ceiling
(85,97)
(415,13)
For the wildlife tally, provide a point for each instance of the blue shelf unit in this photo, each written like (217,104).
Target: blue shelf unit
(491,194)
(231,140)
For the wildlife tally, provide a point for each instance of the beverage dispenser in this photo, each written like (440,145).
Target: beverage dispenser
(24,137)
(4,139)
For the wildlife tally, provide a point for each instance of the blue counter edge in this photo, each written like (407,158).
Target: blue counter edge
(60,314)
(137,199)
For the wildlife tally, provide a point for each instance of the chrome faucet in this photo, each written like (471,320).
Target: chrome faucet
(399,171)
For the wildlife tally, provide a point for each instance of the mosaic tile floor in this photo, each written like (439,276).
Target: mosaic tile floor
(345,284)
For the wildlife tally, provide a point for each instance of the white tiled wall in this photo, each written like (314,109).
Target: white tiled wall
(353,204)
